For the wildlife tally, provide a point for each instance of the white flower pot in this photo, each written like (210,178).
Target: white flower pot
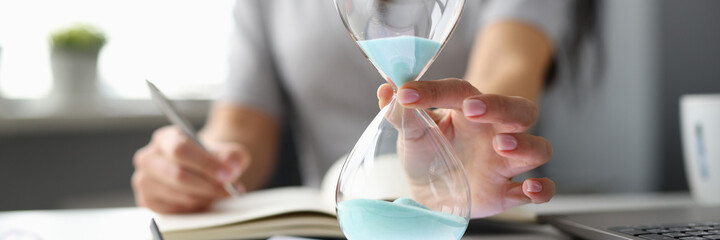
(74,81)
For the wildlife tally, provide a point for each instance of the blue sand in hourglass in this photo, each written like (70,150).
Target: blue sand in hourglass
(400,58)
(365,219)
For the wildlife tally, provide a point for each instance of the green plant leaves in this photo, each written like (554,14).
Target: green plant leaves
(78,37)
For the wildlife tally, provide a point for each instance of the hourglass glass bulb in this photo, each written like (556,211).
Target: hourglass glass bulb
(402,180)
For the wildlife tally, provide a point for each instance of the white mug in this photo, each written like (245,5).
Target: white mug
(700,127)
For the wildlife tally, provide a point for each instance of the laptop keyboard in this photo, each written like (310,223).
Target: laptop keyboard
(687,231)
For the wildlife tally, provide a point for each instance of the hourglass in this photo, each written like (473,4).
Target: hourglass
(402,180)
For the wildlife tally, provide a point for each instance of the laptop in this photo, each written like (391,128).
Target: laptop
(687,223)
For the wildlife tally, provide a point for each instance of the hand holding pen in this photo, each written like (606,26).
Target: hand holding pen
(174,173)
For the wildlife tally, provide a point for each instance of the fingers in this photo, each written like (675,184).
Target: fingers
(445,93)
(177,147)
(532,190)
(234,155)
(509,114)
(163,199)
(523,152)
(177,176)
(539,190)
(166,187)
(400,117)
(384,95)
(174,175)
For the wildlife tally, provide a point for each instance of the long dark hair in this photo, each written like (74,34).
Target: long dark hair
(584,33)
(587,30)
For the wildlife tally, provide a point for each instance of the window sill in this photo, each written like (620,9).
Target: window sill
(35,116)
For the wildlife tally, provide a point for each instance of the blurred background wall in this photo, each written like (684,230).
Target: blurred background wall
(621,132)
(603,126)
(690,63)
(618,133)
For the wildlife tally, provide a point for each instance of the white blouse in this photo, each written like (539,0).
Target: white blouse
(294,60)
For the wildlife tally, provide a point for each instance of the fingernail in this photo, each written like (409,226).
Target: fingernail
(506,142)
(240,187)
(534,186)
(474,107)
(223,176)
(407,96)
(235,169)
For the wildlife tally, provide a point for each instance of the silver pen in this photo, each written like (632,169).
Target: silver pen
(176,119)
(157,235)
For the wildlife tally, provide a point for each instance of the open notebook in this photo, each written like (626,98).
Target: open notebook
(296,211)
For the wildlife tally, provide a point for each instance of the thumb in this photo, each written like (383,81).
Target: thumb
(384,95)
(235,156)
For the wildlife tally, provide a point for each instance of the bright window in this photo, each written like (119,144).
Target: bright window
(181,45)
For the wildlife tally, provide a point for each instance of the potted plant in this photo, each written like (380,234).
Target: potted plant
(74,53)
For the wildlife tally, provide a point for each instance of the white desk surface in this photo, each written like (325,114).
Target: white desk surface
(133,223)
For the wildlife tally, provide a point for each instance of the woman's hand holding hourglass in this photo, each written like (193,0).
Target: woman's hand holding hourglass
(488,133)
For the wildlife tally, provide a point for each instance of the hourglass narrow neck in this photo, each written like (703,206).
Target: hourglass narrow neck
(400,59)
